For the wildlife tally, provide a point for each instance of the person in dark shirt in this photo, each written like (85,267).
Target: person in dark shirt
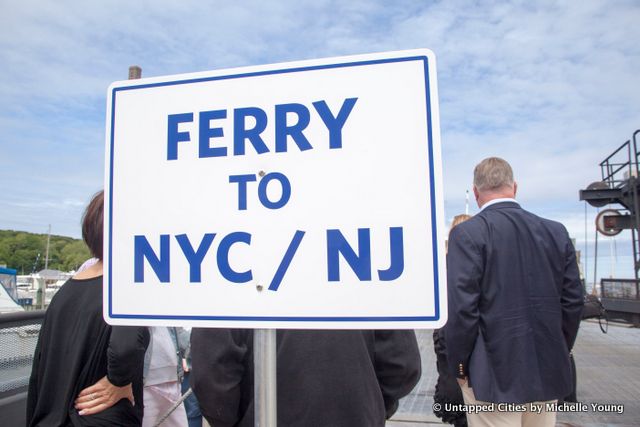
(85,372)
(347,378)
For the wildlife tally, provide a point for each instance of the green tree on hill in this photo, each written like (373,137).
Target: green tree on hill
(19,250)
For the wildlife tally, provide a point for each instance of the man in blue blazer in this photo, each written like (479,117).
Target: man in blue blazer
(515,301)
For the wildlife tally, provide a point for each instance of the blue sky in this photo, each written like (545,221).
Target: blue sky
(551,86)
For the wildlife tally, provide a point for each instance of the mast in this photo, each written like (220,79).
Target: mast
(46,256)
(466,203)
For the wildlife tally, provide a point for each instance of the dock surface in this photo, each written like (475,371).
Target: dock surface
(608,368)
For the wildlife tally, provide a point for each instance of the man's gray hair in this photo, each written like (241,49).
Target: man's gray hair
(492,173)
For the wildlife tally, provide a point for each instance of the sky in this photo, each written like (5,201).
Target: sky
(551,86)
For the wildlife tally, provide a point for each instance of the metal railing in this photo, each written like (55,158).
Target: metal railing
(628,289)
(624,159)
(18,338)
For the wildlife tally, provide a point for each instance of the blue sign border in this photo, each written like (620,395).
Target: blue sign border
(434,228)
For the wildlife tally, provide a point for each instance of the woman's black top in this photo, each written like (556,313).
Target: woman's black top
(75,349)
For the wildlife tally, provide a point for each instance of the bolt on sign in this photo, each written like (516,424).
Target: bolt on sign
(297,195)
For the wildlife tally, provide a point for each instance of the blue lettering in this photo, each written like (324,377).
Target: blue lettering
(207,132)
(160,265)
(173,136)
(283,130)
(286,190)
(242,188)
(195,257)
(241,133)
(223,257)
(335,124)
(286,260)
(397,256)
(359,263)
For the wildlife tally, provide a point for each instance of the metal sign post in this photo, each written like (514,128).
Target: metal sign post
(265,389)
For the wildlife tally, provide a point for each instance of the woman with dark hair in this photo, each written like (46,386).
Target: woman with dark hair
(85,372)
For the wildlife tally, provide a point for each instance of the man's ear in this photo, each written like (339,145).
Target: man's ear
(515,189)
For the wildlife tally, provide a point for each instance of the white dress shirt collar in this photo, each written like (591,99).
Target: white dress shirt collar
(494,201)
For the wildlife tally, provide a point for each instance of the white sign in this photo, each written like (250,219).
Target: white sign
(297,195)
